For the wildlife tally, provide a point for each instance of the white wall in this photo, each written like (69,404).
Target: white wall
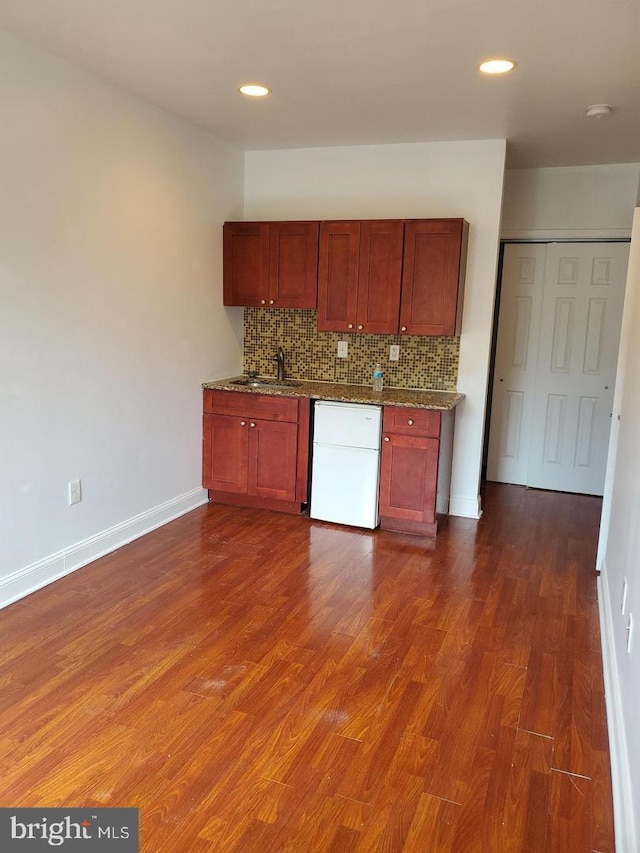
(110,318)
(456,179)
(571,201)
(619,558)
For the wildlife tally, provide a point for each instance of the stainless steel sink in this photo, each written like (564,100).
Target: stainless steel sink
(251,382)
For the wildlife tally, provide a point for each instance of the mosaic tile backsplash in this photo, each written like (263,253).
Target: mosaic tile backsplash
(425,362)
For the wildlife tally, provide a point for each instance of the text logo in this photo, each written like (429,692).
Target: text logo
(36,830)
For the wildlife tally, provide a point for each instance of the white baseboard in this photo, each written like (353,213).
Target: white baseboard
(620,771)
(465,507)
(35,576)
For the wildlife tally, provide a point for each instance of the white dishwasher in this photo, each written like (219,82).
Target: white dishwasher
(346,463)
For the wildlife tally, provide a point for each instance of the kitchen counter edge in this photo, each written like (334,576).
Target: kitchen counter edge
(416,398)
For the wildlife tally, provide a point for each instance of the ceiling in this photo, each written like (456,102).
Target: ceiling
(354,72)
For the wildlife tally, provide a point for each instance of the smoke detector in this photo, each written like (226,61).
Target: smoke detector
(599,110)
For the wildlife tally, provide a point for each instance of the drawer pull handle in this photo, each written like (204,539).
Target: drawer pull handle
(271,302)
(386,438)
(360,326)
(263,302)
(252,424)
(410,422)
(403,328)
(243,423)
(350,326)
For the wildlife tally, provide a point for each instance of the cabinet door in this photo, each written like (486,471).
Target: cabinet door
(225,451)
(380,277)
(245,263)
(338,266)
(272,460)
(408,478)
(433,277)
(293,264)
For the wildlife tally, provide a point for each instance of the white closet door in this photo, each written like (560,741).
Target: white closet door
(578,353)
(523,271)
(555,364)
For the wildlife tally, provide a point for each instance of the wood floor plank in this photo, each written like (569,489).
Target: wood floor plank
(256,682)
(570,804)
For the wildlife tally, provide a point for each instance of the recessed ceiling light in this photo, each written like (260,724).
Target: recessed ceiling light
(599,110)
(496,66)
(254,90)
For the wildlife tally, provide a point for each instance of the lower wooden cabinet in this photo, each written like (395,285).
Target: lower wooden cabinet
(255,449)
(409,463)
(256,453)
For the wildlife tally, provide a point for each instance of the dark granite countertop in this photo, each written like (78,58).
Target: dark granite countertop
(409,397)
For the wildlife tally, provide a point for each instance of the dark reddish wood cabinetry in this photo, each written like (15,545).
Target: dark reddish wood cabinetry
(255,449)
(385,277)
(435,253)
(270,264)
(359,276)
(409,470)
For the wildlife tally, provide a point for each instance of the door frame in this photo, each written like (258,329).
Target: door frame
(619,236)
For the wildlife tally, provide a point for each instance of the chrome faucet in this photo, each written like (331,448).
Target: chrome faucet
(279,358)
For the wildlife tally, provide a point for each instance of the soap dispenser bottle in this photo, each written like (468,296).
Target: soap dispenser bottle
(378,375)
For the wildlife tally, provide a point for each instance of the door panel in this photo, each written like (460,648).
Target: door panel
(225,453)
(558,334)
(293,264)
(272,460)
(338,265)
(246,263)
(380,277)
(579,335)
(523,273)
(408,477)
(432,276)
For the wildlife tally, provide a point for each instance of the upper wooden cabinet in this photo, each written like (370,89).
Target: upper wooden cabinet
(359,276)
(435,252)
(385,277)
(376,277)
(271,264)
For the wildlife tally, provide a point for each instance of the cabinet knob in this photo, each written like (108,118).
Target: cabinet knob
(271,302)
(403,328)
(252,424)
(349,325)
(263,302)
(410,422)
(360,326)
(386,438)
(243,423)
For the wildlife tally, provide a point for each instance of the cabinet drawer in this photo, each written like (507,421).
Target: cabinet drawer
(250,405)
(404,421)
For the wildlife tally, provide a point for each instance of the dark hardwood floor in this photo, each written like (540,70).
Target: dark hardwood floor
(259,682)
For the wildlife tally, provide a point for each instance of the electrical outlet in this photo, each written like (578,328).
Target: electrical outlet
(623,597)
(75,492)
(394,352)
(343,349)
(629,633)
